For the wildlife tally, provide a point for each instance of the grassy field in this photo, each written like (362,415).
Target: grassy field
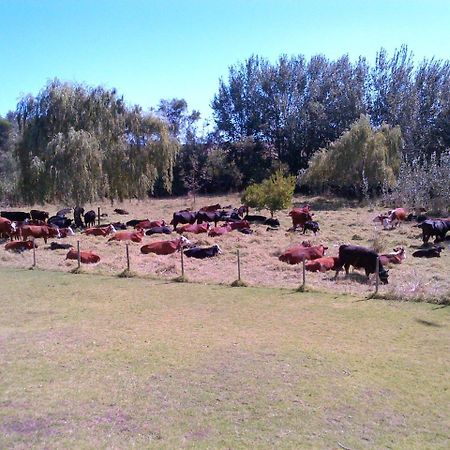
(340,221)
(101,362)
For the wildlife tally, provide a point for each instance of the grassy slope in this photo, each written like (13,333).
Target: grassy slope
(94,362)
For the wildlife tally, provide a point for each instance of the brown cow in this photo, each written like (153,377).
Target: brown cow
(135,236)
(146,224)
(210,208)
(165,247)
(7,228)
(322,264)
(395,257)
(239,225)
(64,232)
(38,231)
(219,231)
(100,231)
(86,257)
(195,228)
(298,253)
(393,218)
(300,216)
(19,246)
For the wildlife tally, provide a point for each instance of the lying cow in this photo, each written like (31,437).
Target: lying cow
(322,264)
(64,232)
(134,222)
(395,257)
(100,231)
(211,208)
(38,231)
(219,231)
(86,257)
(271,222)
(147,224)
(165,247)
(432,252)
(20,246)
(239,225)
(57,246)
(298,253)
(59,221)
(123,235)
(434,227)
(196,228)
(255,218)
(360,258)
(121,211)
(312,226)
(205,252)
(158,230)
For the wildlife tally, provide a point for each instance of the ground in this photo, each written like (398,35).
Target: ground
(94,361)
(340,222)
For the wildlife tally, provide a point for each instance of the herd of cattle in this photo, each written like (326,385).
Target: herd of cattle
(21,229)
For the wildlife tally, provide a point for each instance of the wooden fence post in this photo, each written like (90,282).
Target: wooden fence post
(377,278)
(78,254)
(304,274)
(239,265)
(34,252)
(98,215)
(128,257)
(182,261)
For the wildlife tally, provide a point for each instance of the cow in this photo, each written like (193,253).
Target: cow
(134,222)
(57,246)
(15,216)
(432,252)
(434,227)
(64,232)
(183,217)
(311,225)
(242,224)
(219,231)
(38,231)
(121,211)
(100,231)
(89,218)
(209,216)
(231,215)
(322,264)
(123,235)
(7,228)
(271,222)
(194,228)
(59,221)
(245,230)
(158,230)
(255,218)
(360,258)
(393,218)
(300,216)
(86,257)
(210,208)
(165,247)
(205,252)
(147,224)
(78,211)
(39,215)
(63,212)
(299,253)
(20,246)
(395,257)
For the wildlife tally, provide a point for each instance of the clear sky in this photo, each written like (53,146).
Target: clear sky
(156,49)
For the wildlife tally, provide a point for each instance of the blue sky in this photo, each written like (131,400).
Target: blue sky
(152,49)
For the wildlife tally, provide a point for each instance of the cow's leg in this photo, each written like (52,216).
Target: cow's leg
(347,269)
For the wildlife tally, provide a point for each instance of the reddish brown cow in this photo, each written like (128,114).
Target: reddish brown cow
(298,253)
(210,208)
(146,224)
(322,264)
(103,231)
(7,228)
(64,232)
(195,228)
(395,257)
(219,231)
(165,247)
(239,225)
(134,236)
(19,246)
(86,257)
(38,231)
(300,216)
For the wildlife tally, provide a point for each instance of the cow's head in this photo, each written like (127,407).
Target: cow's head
(384,275)
(218,249)
(184,242)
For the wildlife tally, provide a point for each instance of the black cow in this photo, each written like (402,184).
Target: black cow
(360,258)
(210,216)
(255,218)
(63,212)
(311,225)
(15,216)
(231,215)
(134,222)
(59,222)
(121,211)
(432,252)
(89,218)
(271,222)
(57,246)
(205,252)
(183,217)
(78,211)
(245,230)
(434,227)
(39,215)
(158,230)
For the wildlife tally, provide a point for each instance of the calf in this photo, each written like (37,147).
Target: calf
(121,211)
(299,253)
(322,264)
(20,246)
(432,252)
(205,252)
(360,258)
(158,230)
(311,225)
(272,222)
(64,232)
(300,216)
(100,231)
(219,231)
(86,257)
(89,218)
(395,257)
(57,246)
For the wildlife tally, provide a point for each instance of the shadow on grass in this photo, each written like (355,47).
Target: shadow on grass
(328,204)
(428,323)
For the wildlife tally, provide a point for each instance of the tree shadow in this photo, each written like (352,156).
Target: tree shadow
(427,323)
(328,204)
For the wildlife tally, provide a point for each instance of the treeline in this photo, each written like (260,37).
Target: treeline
(73,142)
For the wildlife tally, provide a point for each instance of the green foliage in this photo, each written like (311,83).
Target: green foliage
(274,193)
(361,160)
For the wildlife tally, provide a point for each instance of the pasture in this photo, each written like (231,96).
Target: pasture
(340,222)
(105,362)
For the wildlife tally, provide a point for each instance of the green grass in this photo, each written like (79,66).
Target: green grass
(106,362)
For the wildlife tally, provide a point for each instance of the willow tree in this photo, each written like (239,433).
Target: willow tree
(83,143)
(362,160)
